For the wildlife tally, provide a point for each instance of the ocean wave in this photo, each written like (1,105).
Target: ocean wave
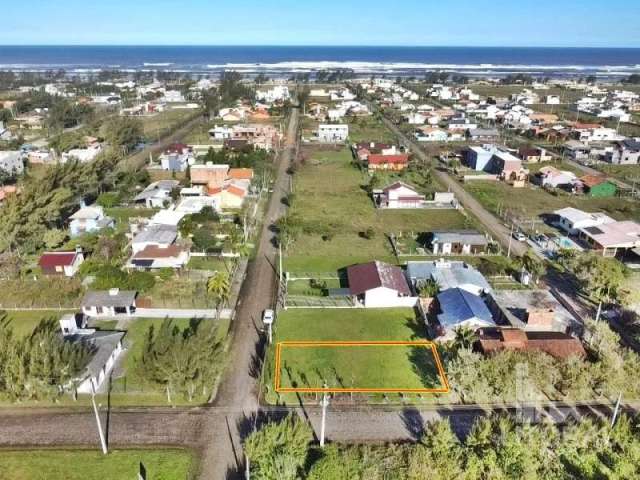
(158,64)
(358,65)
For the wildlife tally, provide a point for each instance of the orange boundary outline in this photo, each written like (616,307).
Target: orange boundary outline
(306,344)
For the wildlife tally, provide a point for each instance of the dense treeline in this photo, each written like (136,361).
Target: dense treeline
(40,365)
(496,448)
(604,374)
(183,362)
(49,197)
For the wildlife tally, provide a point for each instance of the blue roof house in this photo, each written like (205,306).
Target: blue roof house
(462,309)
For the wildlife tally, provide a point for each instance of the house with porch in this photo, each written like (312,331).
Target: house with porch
(89,219)
(458,242)
(612,238)
(105,347)
(109,303)
(398,195)
(572,220)
(395,162)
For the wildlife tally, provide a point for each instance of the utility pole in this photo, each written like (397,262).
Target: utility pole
(280,261)
(247,472)
(510,240)
(103,441)
(616,410)
(324,404)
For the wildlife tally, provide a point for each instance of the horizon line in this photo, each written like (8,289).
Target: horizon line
(196,45)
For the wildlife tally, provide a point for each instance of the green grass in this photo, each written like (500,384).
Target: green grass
(78,464)
(626,173)
(23,322)
(533,201)
(158,125)
(369,129)
(362,367)
(328,198)
(209,263)
(123,214)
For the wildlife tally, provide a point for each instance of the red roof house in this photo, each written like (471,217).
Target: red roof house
(61,263)
(377,284)
(388,162)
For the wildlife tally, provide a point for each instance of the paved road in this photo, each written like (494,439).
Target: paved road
(487,219)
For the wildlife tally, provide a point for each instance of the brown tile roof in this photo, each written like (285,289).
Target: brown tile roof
(367,276)
(556,344)
(401,159)
(241,173)
(237,191)
(153,251)
(593,180)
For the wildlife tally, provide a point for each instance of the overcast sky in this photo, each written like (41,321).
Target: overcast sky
(572,23)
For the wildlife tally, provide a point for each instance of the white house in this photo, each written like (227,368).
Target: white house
(154,236)
(572,220)
(552,177)
(11,161)
(379,285)
(221,132)
(430,134)
(157,194)
(109,303)
(83,155)
(398,195)
(106,347)
(61,263)
(330,133)
(415,118)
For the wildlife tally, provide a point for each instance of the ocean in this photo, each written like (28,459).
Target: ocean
(283,60)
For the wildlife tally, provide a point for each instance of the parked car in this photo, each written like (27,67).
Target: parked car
(519,236)
(268,316)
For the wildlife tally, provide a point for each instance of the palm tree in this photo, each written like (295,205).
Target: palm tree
(219,287)
(533,265)
(464,338)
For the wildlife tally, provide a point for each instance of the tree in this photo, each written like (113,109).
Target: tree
(108,199)
(279,450)
(124,132)
(439,453)
(219,287)
(464,338)
(532,264)
(183,361)
(53,238)
(601,277)
(429,288)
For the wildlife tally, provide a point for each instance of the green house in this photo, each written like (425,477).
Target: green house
(599,187)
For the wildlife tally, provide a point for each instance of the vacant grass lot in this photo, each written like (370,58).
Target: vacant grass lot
(363,367)
(626,173)
(155,126)
(329,199)
(161,464)
(369,129)
(23,322)
(533,201)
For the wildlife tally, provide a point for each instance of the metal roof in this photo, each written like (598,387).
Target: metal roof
(458,305)
(109,298)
